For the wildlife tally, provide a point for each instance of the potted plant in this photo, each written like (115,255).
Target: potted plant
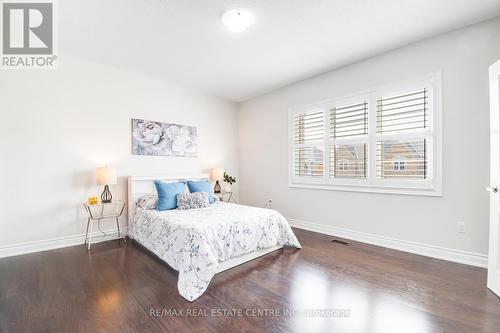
(229,180)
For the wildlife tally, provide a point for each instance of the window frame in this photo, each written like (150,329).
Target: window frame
(432,186)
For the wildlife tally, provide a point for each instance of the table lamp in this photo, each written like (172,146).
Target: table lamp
(217,174)
(106,176)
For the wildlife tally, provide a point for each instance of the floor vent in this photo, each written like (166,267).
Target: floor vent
(337,241)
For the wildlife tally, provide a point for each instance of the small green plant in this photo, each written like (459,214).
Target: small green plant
(229,179)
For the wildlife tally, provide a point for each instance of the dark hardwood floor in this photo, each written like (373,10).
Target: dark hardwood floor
(122,288)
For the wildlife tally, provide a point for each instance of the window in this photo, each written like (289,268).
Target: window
(308,132)
(383,140)
(348,139)
(400,117)
(343,165)
(399,166)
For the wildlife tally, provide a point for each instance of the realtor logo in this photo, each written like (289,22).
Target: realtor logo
(28,34)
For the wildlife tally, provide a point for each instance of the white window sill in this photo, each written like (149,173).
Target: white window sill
(431,192)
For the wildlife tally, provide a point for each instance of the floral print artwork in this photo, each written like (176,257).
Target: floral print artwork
(155,138)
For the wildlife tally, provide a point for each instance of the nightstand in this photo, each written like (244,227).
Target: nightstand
(224,196)
(102,211)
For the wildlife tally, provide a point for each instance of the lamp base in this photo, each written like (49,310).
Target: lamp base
(106,196)
(217,187)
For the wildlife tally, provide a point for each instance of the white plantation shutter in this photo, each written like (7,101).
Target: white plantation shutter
(401,113)
(348,121)
(309,127)
(309,161)
(411,153)
(384,140)
(348,161)
(400,118)
(308,135)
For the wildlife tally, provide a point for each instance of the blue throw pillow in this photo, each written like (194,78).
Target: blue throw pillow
(202,186)
(167,194)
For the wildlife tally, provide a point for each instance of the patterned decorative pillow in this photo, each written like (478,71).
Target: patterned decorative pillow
(148,201)
(192,200)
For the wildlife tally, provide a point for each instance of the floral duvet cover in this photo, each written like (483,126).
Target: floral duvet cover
(195,241)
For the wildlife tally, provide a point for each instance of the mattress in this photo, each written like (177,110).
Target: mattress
(194,242)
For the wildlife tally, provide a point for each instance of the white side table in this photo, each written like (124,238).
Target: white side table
(224,196)
(99,212)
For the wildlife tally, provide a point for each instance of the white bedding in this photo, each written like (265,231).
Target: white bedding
(194,241)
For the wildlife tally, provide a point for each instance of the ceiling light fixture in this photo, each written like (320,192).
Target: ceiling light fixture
(237,20)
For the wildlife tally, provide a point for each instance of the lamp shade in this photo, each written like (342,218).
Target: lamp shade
(217,173)
(106,176)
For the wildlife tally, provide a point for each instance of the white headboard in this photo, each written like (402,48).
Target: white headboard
(142,185)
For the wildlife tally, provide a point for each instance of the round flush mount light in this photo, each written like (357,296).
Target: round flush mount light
(237,20)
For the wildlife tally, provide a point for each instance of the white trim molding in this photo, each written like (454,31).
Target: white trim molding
(458,256)
(57,243)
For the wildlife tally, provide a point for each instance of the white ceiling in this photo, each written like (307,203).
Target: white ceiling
(184,40)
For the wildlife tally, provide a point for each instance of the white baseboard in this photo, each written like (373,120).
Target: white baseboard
(56,243)
(462,257)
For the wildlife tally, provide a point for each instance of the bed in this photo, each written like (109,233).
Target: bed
(200,243)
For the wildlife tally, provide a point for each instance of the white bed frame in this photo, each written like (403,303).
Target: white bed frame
(142,185)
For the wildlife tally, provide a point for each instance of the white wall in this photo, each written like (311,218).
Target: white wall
(57,126)
(464,57)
